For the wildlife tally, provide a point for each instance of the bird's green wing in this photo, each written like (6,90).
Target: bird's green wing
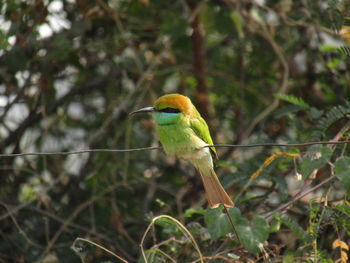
(200,127)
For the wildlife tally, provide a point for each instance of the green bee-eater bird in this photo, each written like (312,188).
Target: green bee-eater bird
(184,133)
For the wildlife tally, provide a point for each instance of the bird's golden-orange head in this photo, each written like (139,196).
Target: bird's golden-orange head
(174,103)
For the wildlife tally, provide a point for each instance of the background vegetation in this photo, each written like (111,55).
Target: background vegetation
(273,71)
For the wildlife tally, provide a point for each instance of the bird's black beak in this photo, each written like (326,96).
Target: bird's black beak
(147,109)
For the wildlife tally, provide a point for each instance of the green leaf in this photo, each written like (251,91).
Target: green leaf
(334,114)
(292,99)
(169,226)
(191,211)
(174,25)
(275,226)
(61,48)
(316,157)
(233,256)
(238,22)
(342,171)
(289,257)
(315,113)
(260,228)
(257,15)
(15,60)
(328,48)
(342,215)
(294,226)
(152,255)
(285,110)
(3,40)
(217,223)
(343,208)
(252,234)
(222,21)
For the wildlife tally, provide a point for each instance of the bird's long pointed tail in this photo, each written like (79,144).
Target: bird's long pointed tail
(216,194)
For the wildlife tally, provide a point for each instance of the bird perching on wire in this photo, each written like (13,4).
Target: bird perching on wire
(184,133)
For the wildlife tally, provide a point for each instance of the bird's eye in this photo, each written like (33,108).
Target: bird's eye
(170,110)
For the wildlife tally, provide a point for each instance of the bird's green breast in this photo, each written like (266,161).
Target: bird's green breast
(176,135)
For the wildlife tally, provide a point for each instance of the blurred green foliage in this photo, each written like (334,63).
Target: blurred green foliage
(261,71)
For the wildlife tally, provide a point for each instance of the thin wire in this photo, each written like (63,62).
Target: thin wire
(158,148)
(278,144)
(81,151)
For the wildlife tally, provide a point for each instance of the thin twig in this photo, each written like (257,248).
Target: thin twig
(75,213)
(266,163)
(97,245)
(302,193)
(87,231)
(19,228)
(299,196)
(233,226)
(277,49)
(183,229)
(14,210)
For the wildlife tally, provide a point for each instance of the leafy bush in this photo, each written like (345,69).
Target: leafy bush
(260,72)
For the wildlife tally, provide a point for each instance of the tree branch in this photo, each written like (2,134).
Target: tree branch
(198,61)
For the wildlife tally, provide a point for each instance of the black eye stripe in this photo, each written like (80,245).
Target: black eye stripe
(170,110)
